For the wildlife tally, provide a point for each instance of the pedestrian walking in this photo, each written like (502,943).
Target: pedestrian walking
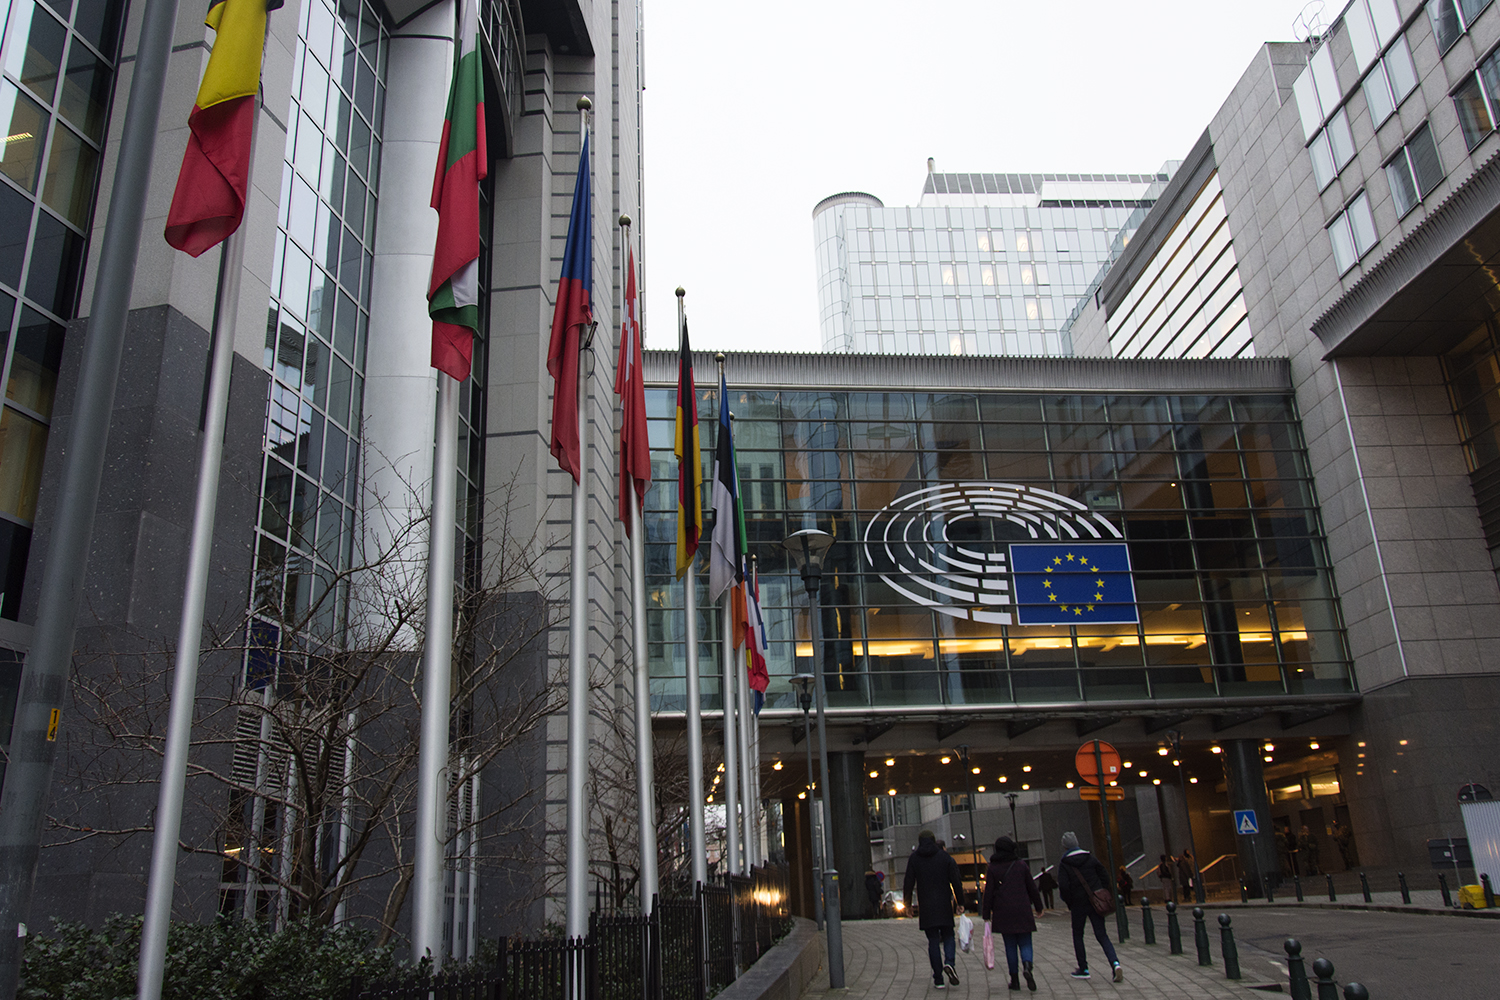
(1124,883)
(1080,876)
(872,892)
(1048,885)
(1165,873)
(939,888)
(1310,851)
(1343,837)
(1187,874)
(1010,896)
(1294,849)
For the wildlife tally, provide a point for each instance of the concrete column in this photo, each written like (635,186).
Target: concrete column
(400,385)
(850,814)
(1245,774)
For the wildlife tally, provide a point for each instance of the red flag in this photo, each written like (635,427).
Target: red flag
(572,312)
(635,455)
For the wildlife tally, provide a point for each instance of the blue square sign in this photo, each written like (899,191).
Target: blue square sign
(1245,822)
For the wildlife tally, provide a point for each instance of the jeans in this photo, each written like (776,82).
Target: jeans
(939,956)
(1079,917)
(1014,943)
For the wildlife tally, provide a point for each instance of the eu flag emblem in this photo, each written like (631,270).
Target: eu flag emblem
(1073,583)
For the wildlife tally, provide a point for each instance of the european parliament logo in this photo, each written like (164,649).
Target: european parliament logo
(1073,583)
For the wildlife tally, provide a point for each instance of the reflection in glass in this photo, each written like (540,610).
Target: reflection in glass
(23,444)
(34,365)
(25,124)
(71,170)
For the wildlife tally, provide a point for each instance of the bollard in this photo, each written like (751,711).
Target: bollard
(1333,897)
(1364,884)
(1405,892)
(1354,991)
(1122,918)
(1296,971)
(1327,988)
(1270,892)
(1200,937)
(1297,884)
(1148,924)
(1489,891)
(1174,929)
(1443,885)
(1227,946)
(1244,890)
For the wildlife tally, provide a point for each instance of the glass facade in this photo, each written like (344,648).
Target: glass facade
(993,267)
(58,60)
(1210,493)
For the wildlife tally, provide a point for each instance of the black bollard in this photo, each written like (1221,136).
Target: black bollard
(1226,945)
(1333,897)
(1364,884)
(1148,924)
(1122,918)
(1244,890)
(1327,988)
(1443,885)
(1489,891)
(1270,890)
(1296,971)
(1174,929)
(1297,884)
(1405,892)
(1354,991)
(1200,937)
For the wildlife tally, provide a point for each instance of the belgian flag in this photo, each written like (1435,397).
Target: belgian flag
(689,460)
(209,202)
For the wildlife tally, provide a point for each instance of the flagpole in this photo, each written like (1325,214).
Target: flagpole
(164,849)
(645,751)
(728,695)
(697,839)
(437,666)
(742,701)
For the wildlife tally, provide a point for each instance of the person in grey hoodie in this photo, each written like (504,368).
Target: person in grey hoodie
(1079,874)
(940,890)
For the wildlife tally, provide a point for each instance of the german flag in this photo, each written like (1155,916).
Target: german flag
(210,198)
(689,460)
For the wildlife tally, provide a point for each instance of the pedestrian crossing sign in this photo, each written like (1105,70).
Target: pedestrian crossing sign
(1244,821)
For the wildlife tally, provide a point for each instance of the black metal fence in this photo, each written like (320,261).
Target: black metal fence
(686,949)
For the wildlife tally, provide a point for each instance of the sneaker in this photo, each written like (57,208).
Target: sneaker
(952,974)
(940,985)
(1119,973)
(1082,974)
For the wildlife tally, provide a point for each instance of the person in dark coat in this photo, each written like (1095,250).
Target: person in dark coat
(940,891)
(872,891)
(1187,875)
(1048,884)
(1079,875)
(1168,883)
(1125,884)
(1010,895)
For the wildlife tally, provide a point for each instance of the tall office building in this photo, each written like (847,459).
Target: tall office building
(982,264)
(330,438)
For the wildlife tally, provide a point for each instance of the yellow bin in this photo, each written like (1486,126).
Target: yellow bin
(1471,897)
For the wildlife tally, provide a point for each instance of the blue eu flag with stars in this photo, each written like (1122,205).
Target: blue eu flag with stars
(1073,583)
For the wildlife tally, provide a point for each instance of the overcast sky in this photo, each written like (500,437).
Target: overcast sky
(756,111)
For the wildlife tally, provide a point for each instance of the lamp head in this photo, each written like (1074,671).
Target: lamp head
(803,683)
(808,547)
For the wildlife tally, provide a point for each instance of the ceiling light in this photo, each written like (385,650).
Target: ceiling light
(1313,745)
(1361,742)
(976,770)
(1003,779)
(776,766)
(1192,781)
(1113,784)
(891,793)
(1215,749)
(1143,774)
(947,760)
(1162,751)
(1157,781)
(1270,747)
(874,774)
(937,791)
(1070,784)
(1128,765)
(1025,788)
(1026,767)
(800,795)
(890,762)
(981,788)
(1176,763)
(1268,758)
(1403,742)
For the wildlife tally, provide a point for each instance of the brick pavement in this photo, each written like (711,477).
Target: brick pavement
(887,960)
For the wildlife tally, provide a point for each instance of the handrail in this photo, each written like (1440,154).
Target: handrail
(1216,861)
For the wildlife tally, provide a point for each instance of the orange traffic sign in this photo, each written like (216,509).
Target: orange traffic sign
(1116,794)
(1094,755)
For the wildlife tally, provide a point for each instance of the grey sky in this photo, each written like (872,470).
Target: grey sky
(755,112)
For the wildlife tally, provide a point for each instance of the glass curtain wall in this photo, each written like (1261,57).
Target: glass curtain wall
(58,60)
(1211,493)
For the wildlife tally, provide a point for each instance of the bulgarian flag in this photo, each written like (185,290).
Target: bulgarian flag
(463,161)
(210,198)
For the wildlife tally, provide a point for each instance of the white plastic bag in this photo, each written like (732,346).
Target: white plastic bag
(965,932)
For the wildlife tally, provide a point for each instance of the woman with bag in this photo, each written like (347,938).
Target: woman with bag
(1009,897)
(1083,883)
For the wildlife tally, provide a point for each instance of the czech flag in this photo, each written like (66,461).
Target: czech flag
(571,314)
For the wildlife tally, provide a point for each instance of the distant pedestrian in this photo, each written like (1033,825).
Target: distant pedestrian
(1343,837)
(1124,883)
(1079,876)
(1293,850)
(1283,850)
(1187,875)
(872,892)
(1010,895)
(1164,872)
(939,894)
(1310,851)
(1047,884)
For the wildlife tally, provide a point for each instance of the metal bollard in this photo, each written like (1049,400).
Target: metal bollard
(1297,884)
(1354,991)
(1174,929)
(1327,988)
(1148,924)
(1200,937)
(1227,946)
(1122,918)
(1270,889)
(1405,892)
(1443,885)
(1296,970)
(1489,891)
(1333,897)
(1244,890)
(1364,884)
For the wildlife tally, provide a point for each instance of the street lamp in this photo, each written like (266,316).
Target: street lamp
(808,547)
(804,683)
(1015,831)
(1174,736)
(963,756)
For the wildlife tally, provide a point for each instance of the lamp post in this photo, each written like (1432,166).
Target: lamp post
(1175,737)
(808,547)
(804,683)
(1015,831)
(963,756)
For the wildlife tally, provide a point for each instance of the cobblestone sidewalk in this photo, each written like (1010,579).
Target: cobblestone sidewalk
(887,960)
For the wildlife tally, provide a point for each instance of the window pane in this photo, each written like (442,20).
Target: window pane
(1445,25)
(33,369)
(15,226)
(1387,19)
(99,21)
(1403,190)
(1340,139)
(1322,160)
(36,62)
(25,124)
(52,279)
(1426,167)
(1489,73)
(85,92)
(1378,95)
(1343,243)
(1471,9)
(1399,67)
(1307,104)
(1363,224)
(23,444)
(71,169)
(1473,116)
(1325,79)
(1361,35)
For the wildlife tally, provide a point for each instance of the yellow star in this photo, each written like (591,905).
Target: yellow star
(1058,562)
(1078,611)
(1065,607)
(1099,597)
(1070,557)
(1049,569)
(1098,583)
(1084,560)
(1051,597)
(1091,607)
(1047,584)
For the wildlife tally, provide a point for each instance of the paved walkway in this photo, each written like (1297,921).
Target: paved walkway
(887,960)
